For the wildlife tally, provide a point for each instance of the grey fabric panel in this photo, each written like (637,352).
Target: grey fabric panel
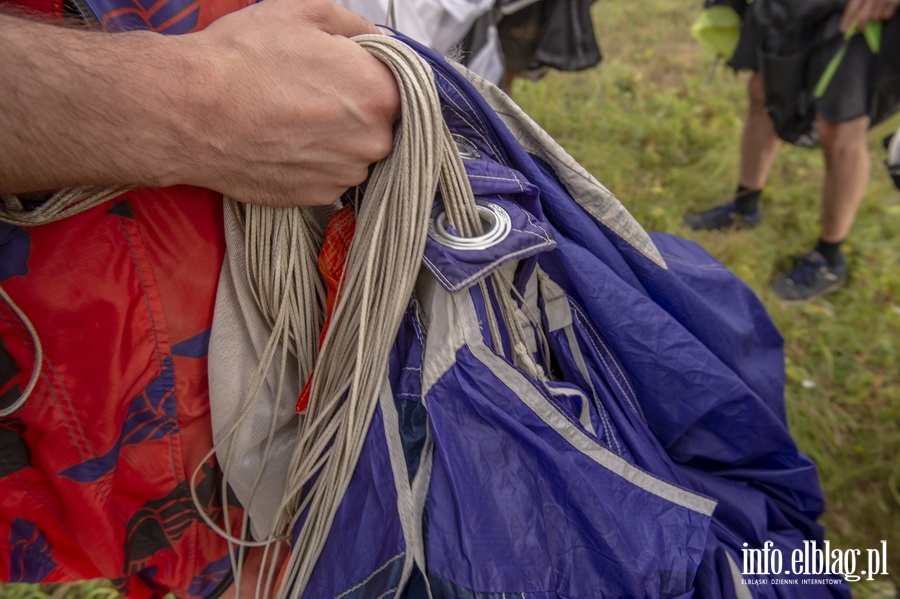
(239,336)
(740,590)
(440,319)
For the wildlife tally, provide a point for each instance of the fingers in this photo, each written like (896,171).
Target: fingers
(327,116)
(346,23)
(888,8)
(869,14)
(862,12)
(299,187)
(874,11)
(851,14)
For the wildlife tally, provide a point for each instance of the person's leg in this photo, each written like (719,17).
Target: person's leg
(847,163)
(759,142)
(759,147)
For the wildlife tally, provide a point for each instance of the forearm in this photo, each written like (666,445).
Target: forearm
(271,105)
(90,108)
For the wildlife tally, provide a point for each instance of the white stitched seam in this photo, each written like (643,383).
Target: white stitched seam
(386,593)
(437,272)
(479,125)
(630,395)
(372,575)
(487,268)
(514,179)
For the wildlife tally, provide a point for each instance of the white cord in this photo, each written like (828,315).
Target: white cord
(385,257)
(38,356)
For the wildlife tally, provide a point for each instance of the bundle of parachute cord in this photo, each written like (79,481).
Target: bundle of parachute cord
(346,368)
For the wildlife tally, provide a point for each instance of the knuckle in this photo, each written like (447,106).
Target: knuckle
(322,199)
(319,195)
(317,12)
(356,176)
(380,146)
(386,147)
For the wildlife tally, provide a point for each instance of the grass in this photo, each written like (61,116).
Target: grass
(662,133)
(653,126)
(92,589)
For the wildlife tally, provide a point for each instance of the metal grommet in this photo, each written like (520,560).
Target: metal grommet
(494,216)
(466,148)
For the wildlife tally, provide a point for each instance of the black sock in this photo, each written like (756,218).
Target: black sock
(746,200)
(831,251)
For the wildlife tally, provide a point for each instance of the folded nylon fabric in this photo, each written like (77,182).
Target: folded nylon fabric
(567,405)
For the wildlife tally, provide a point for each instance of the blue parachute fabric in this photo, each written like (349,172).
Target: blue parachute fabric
(367,545)
(370,545)
(553,521)
(656,450)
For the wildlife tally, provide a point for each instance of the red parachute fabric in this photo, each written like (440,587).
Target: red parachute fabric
(95,468)
(332,260)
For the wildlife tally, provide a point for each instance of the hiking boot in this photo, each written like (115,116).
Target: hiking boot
(725,216)
(810,278)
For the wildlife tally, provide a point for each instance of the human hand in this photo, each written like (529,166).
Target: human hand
(292,111)
(863,12)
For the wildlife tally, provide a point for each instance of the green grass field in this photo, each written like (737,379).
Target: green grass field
(653,126)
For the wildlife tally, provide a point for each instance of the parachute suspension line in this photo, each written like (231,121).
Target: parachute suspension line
(381,270)
(63,204)
(281,267)
(281,248)
(380,273)
(38,355)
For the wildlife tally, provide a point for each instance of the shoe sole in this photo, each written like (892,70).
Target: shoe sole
(812,298)
(733,226)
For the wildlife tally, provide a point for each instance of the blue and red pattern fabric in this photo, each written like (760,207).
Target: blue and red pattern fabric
(163,16)
(94,469)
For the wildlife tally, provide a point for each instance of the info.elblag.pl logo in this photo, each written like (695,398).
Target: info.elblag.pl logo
(814,559)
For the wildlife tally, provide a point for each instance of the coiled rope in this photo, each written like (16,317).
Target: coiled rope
(62,204)
(382,267)
(380,273)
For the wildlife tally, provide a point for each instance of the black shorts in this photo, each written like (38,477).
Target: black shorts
(849,94)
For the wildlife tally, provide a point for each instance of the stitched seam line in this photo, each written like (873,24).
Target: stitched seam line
(372,575)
